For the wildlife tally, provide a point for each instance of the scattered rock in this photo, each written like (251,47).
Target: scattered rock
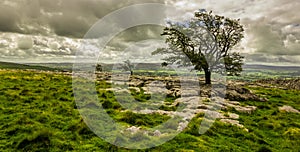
(117,82)
(288,109)
(148,93)
(233,95)
(214,114)
(233,116)
(205,92)
(182,126)
(133,129)
(240,93)
(230,121)
(234,102)
(202,107)
(233,122)
(123,91)
(281,83)
(113,89)
(145,89)
(136,83)
(247,109)
(136,89)
(189,93)
(157,133)
(158,90)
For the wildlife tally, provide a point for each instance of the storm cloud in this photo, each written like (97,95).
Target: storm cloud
(57,26)
(9,19)
(70,18)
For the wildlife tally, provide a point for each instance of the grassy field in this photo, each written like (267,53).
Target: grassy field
(38,113)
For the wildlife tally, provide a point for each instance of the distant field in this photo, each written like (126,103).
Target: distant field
(38,113)
(256,72)
(250,72)
(60,66)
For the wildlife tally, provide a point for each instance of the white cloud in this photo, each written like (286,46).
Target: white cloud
(25,42)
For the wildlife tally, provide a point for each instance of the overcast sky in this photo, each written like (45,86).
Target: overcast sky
(52,30)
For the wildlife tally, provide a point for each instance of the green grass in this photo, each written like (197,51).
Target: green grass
(38,113)
(279,129)
(258,74)
(272,129)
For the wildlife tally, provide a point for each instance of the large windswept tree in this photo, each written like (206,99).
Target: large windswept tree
(206,41)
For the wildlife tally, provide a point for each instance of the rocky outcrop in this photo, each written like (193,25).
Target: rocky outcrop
(171,86)
(240,93)
(291,84)
(133,129)
(195,99)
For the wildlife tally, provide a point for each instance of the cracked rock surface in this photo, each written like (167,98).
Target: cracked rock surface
(195,99)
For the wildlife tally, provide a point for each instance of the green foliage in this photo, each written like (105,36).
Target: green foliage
(226,32)
(99,67)
(146,120)
(233,64)
(164,64)
(204,42)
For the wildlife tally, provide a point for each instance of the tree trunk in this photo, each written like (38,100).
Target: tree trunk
(207,76)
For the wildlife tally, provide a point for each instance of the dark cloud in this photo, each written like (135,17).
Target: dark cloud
(271,59)
(68,25)
(9,19)
(135,34)
(62,17)
(30,9)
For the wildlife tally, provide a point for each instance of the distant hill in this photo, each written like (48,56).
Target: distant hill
(10,65)
(271,67)
(59,66)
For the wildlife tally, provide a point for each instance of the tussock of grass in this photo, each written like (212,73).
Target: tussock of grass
(146,120)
